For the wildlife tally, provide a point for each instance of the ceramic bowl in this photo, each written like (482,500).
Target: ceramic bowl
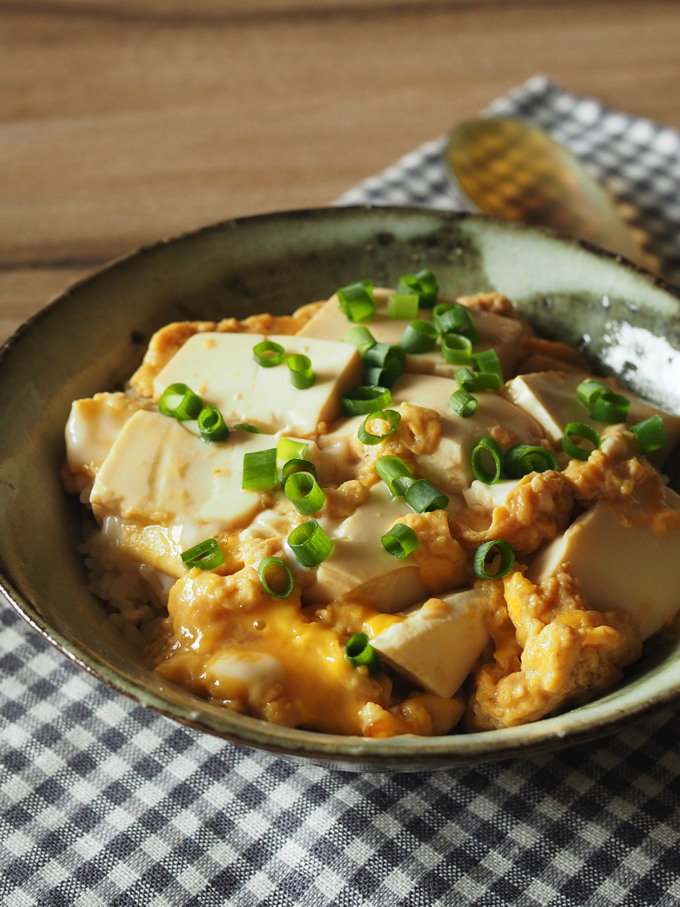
(93,337)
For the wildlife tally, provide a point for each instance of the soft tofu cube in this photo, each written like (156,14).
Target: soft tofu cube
(360,568)
(221,369)
(93,426)
(448,468)
(489,496)
(495,332)
(438,644)
(550,397)
(159,473)
(619,565)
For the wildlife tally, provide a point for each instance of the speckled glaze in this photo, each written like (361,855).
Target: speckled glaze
(93,337)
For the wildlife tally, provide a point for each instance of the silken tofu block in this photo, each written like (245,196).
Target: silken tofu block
(221,369)
(448,468)
(619,565)
(159,473)
(489,496)
(438,644)
(360,568)
(501,334)
(550,397)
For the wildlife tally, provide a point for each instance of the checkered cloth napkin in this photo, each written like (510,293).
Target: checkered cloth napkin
(105,803)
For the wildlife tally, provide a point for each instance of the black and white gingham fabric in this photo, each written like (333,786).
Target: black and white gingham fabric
(637,160)
(106,804)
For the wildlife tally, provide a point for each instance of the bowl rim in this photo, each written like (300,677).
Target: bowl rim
(346,752)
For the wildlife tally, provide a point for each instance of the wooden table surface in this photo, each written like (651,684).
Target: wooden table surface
(125,121)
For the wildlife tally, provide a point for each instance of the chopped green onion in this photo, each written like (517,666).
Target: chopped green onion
(391,416)
(297,466)
(419,337)
(456,349)
(360,401)
(356,300)
(589,390)
(259,470)
(490,450)
(288,449)
(424,284)
(206,555)
(579,430)
(507,559)
(402,305)
(268,354)
(360,337)
(466,380)
(487,363)
(359,651)
(211,424)
(422,497)
(391,469)
(246,426)
(651,434)
(310,544)
(463,404)
(378,377)
(487,381)
(523,459)
(390,358)
(400,541)
(276,577)
(180,402)
(610,407)
(451,317)
(301,371)
(304,492)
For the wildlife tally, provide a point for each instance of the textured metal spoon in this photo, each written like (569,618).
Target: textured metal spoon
(513,169)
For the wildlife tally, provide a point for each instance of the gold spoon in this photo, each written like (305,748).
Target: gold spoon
(513,169)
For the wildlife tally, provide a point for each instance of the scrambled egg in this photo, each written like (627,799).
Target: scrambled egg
(449,646)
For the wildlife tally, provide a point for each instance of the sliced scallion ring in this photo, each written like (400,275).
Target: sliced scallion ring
(276,577)
(400,541)
(488,363)
(650,434)
(506,563)
(359,651)
(456,349)
(259,470)
(523,459)
(356,301)
(391,416)
(489,450)
(579,430)
(180,402)
(310,544)
(288,449)
(466,380)
(360,337)
(402,305)
(268,354)
(589,390)
(211,424)
(246,426)
(304,492)
(390,469)
(610,407)
(300,372)
(378,377)
(423,284)
(422,497)
(463,404)
(206,555)
(297,466)
(419,337)
(451,317)
(360,401)
(390,358)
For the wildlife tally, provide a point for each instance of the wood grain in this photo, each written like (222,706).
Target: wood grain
(124,122)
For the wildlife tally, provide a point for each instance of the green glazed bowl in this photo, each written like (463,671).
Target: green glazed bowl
(93,337)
